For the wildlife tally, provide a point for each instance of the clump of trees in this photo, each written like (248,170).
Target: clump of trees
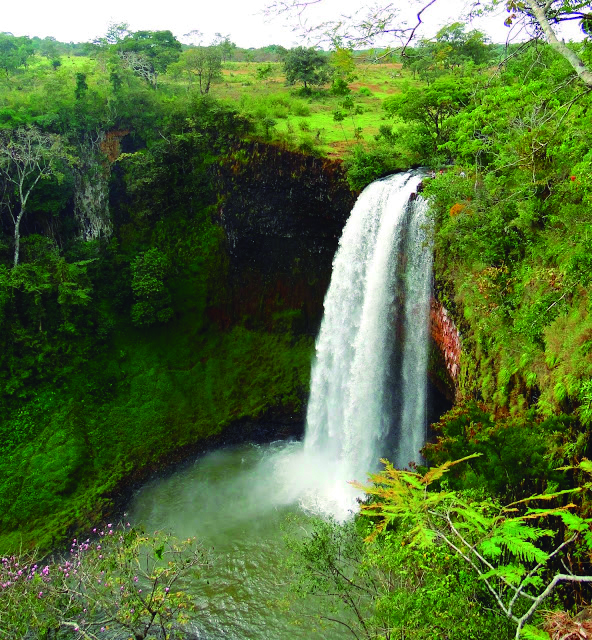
(15,52)
(452,49)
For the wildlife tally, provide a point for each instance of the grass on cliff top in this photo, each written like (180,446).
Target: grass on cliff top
(285,113)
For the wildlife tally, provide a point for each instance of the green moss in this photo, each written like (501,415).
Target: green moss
(175,390)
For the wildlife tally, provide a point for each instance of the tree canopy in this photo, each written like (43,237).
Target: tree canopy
(14,52)
(306,65)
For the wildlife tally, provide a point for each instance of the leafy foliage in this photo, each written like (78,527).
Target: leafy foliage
(149,273)
(123,581)
(309,66)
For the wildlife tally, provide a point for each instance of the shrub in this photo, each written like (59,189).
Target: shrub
(300,109)
(150,270)
(121,582)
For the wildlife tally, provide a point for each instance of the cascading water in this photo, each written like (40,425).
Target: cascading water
(369,377)
(367,400)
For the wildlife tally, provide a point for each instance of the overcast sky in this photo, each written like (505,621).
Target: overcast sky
(72,20)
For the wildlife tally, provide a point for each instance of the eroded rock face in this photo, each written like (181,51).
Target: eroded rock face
(446,349)
(91,197)
(283,213)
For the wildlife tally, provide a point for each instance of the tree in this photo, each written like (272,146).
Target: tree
(225,45)
(203,63)
(306,65)
(147,53)
(27,155)
(141,66)
(160,47)
(454,47)
(431,106)
(344,63)
(344,66)
(116,33)
(14,52)
(49,48)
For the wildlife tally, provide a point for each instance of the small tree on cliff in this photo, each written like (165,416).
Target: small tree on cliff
(27,155)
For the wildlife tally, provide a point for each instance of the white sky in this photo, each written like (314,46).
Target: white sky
(72,20)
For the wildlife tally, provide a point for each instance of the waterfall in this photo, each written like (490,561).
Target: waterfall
(368,387)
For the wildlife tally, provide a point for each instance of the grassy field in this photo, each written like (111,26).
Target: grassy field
(285,113)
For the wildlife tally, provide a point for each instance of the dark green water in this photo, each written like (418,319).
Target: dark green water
(241,502)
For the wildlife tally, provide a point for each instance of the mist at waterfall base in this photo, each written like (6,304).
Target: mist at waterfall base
(367,401)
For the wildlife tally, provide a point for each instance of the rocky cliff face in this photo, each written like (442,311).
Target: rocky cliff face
(282,213)
(445,350)
(91,196)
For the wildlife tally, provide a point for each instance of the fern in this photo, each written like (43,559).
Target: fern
(573,522)
(518,539)
(490,549)
(511,573)
(532,633)
(475,518)
(586,465)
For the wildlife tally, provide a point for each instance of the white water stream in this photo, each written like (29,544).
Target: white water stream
(368,384)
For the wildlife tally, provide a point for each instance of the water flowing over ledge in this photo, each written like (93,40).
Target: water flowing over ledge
(368,389)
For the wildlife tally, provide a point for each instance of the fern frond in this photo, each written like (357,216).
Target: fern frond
(517,528)
(490,548)
(532,633)
(533,514)
(535,581)
(412,479)
(475,518)
(546,496)
(437,472)
(586,465)
(511,573)
(573,522)
(518,538)
(524,550)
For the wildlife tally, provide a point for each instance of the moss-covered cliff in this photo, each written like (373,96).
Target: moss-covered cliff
(205,303)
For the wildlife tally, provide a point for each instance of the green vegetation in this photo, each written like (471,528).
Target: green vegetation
(122,581)
(110,362)
(426,561)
